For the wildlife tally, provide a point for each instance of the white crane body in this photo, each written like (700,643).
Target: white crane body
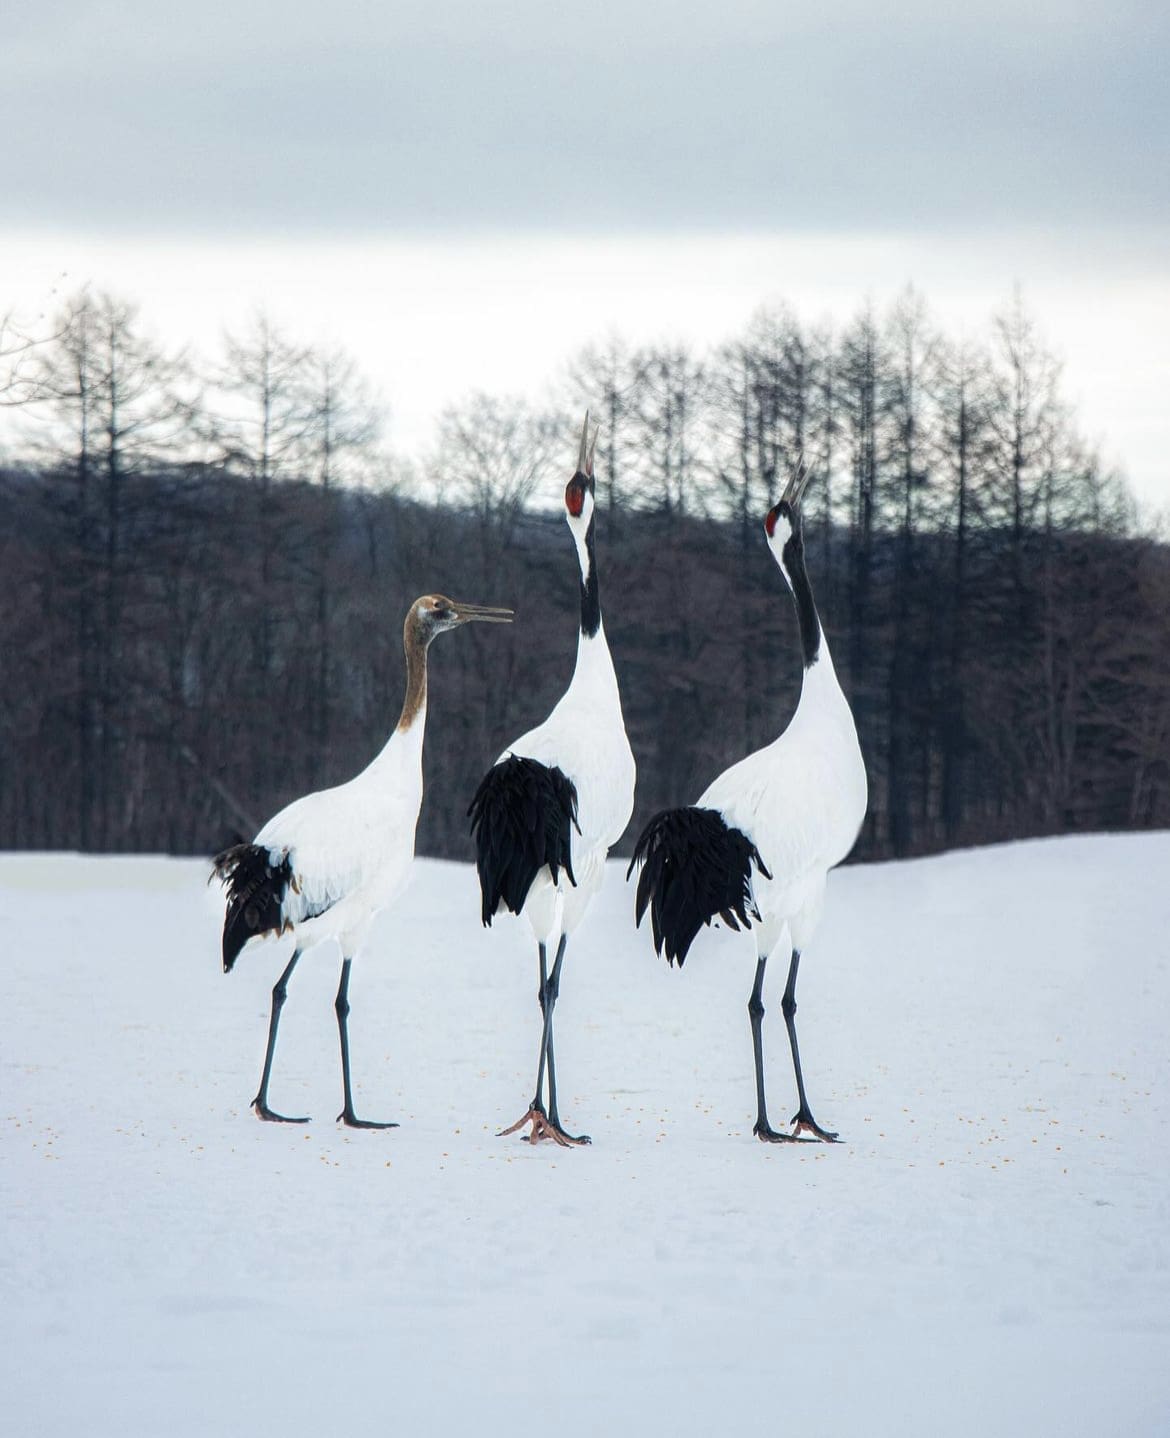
(350,848)
(328,863)
(547,813)
(584,736)
(801,800)
(756,848)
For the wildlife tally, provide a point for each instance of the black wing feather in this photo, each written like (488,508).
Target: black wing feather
(695,868)
(256,887)
(521,820)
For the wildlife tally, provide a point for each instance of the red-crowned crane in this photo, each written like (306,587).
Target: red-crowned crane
(545,816)
(330,861)
(791,811)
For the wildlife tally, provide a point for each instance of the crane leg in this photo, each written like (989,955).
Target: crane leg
(762,1129)
(279,994)
(347,1115)
(546,1123)
(546,1028)
(552,990)
(803,1118)
(548,997)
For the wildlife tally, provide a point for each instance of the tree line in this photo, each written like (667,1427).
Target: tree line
(204,569)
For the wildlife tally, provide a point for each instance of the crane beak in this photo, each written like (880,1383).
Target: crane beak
(588,445)
(797,484)
(484,612)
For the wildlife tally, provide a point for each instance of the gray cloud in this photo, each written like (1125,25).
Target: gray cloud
(356,117)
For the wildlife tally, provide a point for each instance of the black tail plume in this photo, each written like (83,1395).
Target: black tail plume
(520,819)
(255,895)
(694,868)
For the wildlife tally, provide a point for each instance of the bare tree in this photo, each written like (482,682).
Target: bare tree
(671,410)
(492,456)
(118,406)
(260,427)
(911,347)
(176,588)
(17,356)
(338,448)
(1023,416)
(963,455)
(610,380)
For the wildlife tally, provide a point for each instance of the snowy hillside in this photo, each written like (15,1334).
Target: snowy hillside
(988,1252)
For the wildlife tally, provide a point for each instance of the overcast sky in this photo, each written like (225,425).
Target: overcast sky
(658,159)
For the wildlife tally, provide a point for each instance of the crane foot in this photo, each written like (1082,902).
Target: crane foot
(351,1120)
(804,1122)
(767,1134)
(271,1116)
(543,1127)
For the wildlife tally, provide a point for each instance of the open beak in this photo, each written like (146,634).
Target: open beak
(588,445)
(484,612)
(797,484)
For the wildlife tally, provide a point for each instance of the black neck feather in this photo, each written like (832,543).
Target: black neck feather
(590,592)
(806,609)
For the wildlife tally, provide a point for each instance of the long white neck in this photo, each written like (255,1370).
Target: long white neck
(820,689)
(402,752)
(821,695)
(593,675)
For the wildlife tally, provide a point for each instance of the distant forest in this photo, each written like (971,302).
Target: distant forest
(204,568)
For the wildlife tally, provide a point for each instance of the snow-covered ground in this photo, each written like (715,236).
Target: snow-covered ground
(987,1253)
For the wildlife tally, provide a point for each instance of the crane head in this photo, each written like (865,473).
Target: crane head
(434,613)
(782,521)
(579,490)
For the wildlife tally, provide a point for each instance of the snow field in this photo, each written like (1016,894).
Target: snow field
(988,1251)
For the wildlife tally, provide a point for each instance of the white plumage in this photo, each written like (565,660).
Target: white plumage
(757,847)
(329,862)
(801,800)
(583,741)
(351,846)
(585,737)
